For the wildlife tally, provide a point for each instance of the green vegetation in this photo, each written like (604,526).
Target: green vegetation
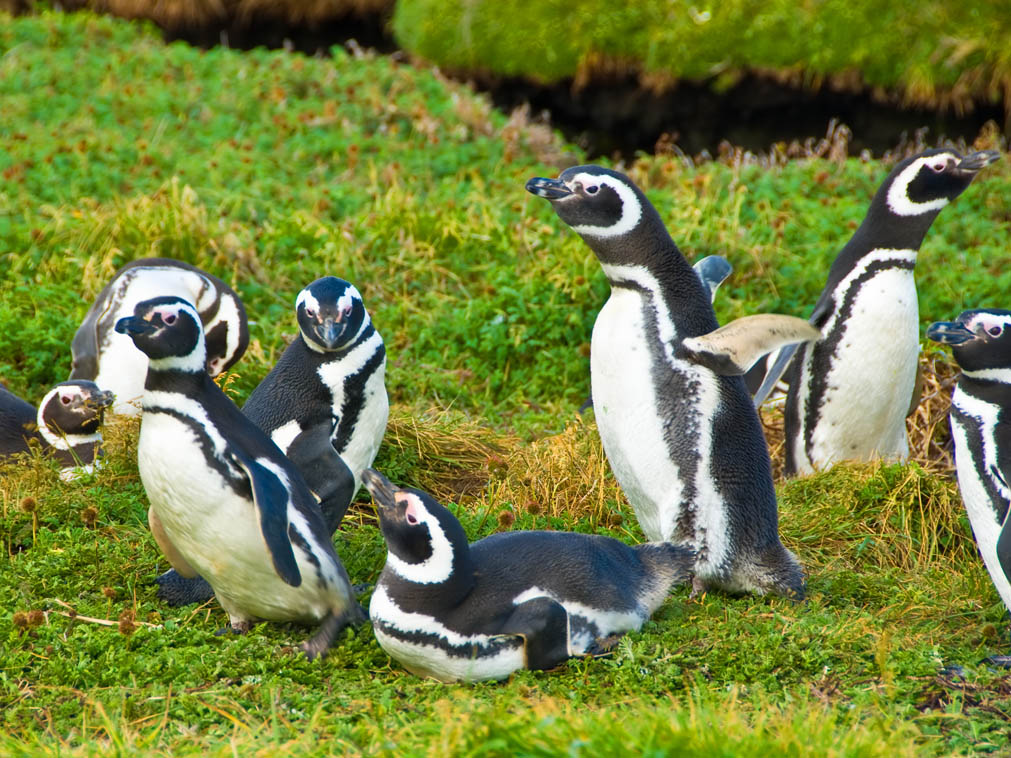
(951,52)
(271,170)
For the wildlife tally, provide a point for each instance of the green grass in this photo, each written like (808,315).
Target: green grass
(271,170)
(951,53)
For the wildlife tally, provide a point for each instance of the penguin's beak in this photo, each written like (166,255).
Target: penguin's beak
(949,332)
(134,326)
(549,189)
(328,333)
(101,399)
(973,162)
(382,489)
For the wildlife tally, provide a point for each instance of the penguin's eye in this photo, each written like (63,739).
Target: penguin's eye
(65,399)
(937,168)
(995,331)
(310,312)
(412,519)
(592,189)
(346,310)
(170,319)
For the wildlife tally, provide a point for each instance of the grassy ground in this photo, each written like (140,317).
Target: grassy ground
(271,170)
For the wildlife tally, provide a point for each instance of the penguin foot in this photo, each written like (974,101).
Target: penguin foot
(699,587)
(603,646)
(235,627)
(318,645)
(176,590)
(998,661)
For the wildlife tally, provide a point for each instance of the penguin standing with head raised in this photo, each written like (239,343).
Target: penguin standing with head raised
(225,502)
(67,422)
(675,418)
(110,360)
(980,421)
(851,391)
(453,611)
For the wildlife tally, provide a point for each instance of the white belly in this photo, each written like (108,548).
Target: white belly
(218,532)
(870,384)
(363,446)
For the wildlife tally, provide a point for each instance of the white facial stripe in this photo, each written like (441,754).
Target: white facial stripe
(1002,375)
(306,298)
(346,301)
(987,321)
(196,360)
(439,565)
(228,312)
(631,208)
(898,194)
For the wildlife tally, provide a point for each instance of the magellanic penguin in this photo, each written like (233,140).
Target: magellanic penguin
(676,420)
(324,405)
(851,391)
(981,429)
(453,611)
(110,360)
(67,422)
(225,502)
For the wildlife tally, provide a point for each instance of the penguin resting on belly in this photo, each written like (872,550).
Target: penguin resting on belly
(676,420)
(453,611)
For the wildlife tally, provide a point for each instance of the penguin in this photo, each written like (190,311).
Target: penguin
(453,611)
(980,421)
(67,423)
(850,392)
(324,405)
(680,432)
(225,503)
(109,359)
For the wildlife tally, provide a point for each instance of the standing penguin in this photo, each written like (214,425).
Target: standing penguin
(110,360)
(68,422)
(225,502)
(850,392)
(677,423)
(981,429)
(324,405)
(451,611)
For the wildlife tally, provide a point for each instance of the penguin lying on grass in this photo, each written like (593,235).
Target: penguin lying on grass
(67,422)
(453,611)
(980,421)
(110,360)
(675,417)
(225,502)
(851,391)
(324,405)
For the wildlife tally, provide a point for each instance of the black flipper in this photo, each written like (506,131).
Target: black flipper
(1004,547)
(544,625)
(324,471)
(272,499)
(177,590)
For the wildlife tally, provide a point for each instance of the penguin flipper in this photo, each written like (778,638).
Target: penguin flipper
(324,471)
(732,349)
(272,497)
(713,270)
(544,625)
(1004,546)
(775,372)
(175,589)
(84,348)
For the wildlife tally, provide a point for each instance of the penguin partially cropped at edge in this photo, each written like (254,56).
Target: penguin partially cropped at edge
(67,422)
(675,418)
(453,611)
(324,405)
(980,421)
(225,502)
(109,359)
(851,391)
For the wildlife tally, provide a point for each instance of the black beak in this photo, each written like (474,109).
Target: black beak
(973,162)
(101,399)
(328,333)
(381,488)
(550,189)
(134,326)
(949,332)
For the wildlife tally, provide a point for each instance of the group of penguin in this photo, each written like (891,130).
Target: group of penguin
(244,503)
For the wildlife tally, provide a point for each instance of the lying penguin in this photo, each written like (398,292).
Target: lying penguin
(109,359)
(324,405)
(453,611)
(225,502)
(67,422)
(980,421)
(850,392)
(675,417)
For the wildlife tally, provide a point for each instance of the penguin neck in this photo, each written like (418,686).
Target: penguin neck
(990,384)
(883,230)
(173,380)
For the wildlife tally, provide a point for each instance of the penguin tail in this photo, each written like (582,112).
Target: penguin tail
(777,571)
(673,563)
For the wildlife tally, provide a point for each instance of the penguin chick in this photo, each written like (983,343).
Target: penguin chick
(109,358)
(324,405)
(225,502)
(675,418)
(849,393)
(67,423)
(453,611)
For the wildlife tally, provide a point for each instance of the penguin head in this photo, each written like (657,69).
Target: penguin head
(425,542)
(226,335)
(604,207)
(980,339)
(169,331)
(74,408)
(330,314)
(927,182)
